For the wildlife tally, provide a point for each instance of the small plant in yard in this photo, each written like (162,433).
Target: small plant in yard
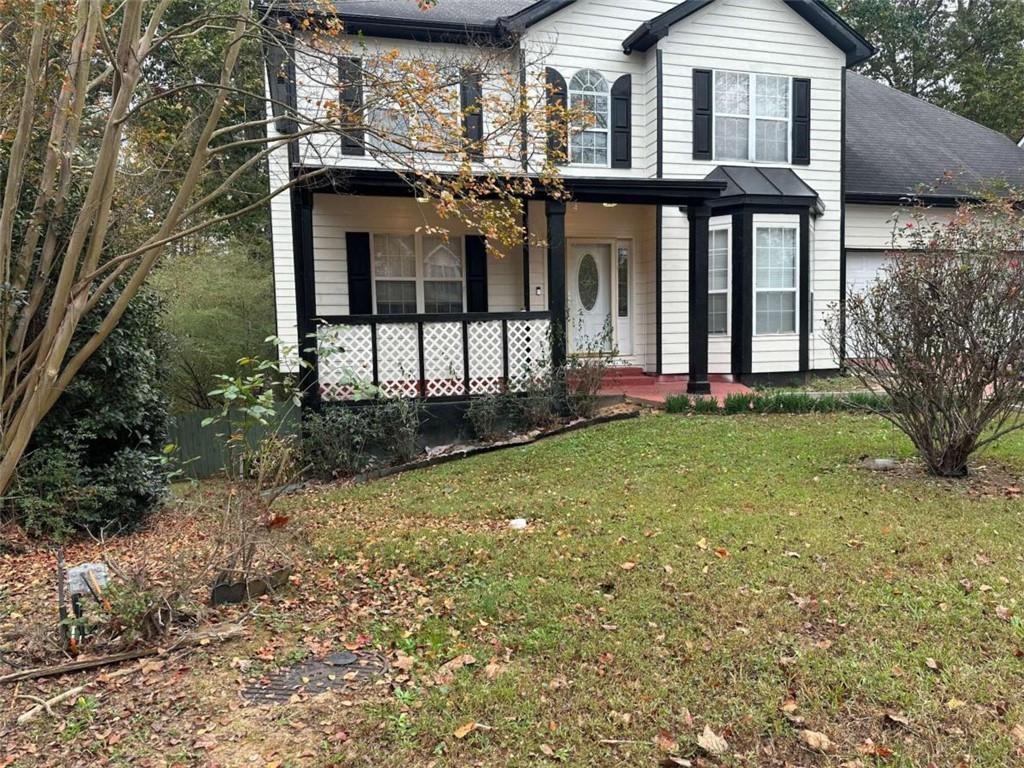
(486,416)
(942,333)
(678,404)
(738,402)
(705,405)
(585,370)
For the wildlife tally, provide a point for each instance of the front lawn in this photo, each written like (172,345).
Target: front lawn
(739,573)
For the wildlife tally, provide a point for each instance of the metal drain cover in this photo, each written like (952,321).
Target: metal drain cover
(336,672)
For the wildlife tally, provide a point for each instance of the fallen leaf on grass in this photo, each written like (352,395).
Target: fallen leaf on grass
(628,566)
(547,750)
(897,718)
(932,664)
(493,669)
(712,743)
(671,762)
(1017,734)
(955,703)
(702,543)
(870,749)
(1004,613)
(403,662)
(721,552)
(815,740)
(464,730)
(665,741)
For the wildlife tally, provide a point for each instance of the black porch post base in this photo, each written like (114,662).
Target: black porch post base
(555,211)
(697,383)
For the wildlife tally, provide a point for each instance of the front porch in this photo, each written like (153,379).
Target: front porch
(369,282)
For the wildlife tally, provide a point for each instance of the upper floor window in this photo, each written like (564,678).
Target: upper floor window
(752,117)
(589,102)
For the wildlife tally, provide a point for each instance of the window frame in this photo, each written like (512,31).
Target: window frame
(795,290)
(727,290)
(607,130)
(752,117)
(421,277)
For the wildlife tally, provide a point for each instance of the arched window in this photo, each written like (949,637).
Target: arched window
(589,103)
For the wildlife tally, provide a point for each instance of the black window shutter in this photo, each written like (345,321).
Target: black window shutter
(351,97)
(472,112)
(558,97)
(282,92)
(702,114)
(360,291)
(801,121)
(622,108)
(476,273)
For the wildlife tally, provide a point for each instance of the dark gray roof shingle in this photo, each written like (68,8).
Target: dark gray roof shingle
(471,12)
(896,142)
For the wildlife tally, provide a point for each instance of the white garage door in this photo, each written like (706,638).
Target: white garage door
(862,269)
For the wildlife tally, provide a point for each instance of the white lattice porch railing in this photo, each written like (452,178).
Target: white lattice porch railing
(432,356)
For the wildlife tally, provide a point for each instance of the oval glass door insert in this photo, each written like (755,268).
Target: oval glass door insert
(587,281)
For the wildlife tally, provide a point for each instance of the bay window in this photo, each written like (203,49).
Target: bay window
(414,274)
(775,280)
(752,117)
(718,281)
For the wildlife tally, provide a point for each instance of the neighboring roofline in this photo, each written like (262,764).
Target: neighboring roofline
(428,30)
(814,12)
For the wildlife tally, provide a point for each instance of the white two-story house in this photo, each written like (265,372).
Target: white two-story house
(735,180)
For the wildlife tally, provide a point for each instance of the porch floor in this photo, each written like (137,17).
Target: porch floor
(650,389)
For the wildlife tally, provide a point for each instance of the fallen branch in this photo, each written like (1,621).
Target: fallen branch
(216,633)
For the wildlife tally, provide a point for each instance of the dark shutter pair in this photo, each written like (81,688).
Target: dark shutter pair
(703,117)
(360,275)
(621,119)
(351,98)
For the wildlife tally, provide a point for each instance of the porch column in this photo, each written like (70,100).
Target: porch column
(699,217)
(555,211)
(305,294)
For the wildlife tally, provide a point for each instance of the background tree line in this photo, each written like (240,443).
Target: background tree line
(964,55)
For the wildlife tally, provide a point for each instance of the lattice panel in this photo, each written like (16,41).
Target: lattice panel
(398,359)
(486,370)
(345,360)
(443,365)
(529,352)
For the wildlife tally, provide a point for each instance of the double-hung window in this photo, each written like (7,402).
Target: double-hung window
(718,281)
(752,117)
(414,274)
(775,280)
(589,104)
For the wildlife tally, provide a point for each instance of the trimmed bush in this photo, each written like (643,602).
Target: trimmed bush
(738,402)
(342,441)
(678,404)
(705,405)
(867,401)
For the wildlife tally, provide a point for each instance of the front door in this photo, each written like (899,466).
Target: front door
(590,298)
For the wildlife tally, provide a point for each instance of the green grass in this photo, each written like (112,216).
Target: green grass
(768,566)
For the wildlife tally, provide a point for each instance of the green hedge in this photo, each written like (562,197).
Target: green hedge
(777,402)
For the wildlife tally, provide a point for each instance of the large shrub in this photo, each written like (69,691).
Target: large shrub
(94,462)
(340,441)
(942,333)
